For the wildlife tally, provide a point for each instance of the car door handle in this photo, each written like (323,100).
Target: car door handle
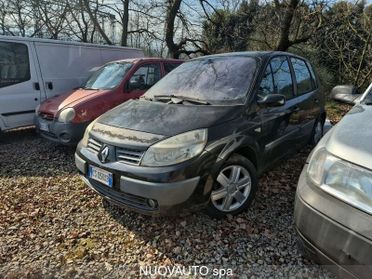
(49,85)
(36,86)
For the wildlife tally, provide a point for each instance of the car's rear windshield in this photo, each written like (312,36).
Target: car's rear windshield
(108,76)
(224,79)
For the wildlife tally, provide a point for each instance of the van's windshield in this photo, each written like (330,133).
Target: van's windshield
(224,79)
(108,76)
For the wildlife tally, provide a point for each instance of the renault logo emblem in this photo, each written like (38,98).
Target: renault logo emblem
(103,154)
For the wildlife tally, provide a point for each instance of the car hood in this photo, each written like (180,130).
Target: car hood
(351,137)
(166,119)
(68,99)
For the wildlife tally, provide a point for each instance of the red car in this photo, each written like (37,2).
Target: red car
(64,118)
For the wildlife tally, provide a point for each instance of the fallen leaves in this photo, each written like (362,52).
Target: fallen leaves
(52,225)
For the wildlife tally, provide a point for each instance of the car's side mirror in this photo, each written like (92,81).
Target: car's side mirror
(272,100)
(132,85)
(136,83)
(345,94)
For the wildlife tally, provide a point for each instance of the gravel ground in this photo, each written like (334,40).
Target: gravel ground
(53,226)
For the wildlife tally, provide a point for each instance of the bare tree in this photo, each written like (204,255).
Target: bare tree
(282,24)
(16,17)
(347,43)
(173,7)
(52,15)
(93,17)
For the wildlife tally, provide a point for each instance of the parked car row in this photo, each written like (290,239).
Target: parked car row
(202,135)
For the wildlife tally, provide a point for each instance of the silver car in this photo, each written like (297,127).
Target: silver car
(333,208)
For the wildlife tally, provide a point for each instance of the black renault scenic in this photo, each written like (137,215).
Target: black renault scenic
(202,135)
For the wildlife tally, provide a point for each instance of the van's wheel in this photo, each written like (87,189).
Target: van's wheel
(234,188)
(317,132)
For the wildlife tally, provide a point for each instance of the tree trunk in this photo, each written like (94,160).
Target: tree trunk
(172,10)
(96,23)
(284,42)
(125,20)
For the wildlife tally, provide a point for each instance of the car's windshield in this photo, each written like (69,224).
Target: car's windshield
(108,76)
(214,80)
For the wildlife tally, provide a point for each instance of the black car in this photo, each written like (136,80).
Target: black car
(202,135)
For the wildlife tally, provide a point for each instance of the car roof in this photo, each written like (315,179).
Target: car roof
(63,42)
(140,59)
(258,54)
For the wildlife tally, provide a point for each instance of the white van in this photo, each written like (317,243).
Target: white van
(32,70)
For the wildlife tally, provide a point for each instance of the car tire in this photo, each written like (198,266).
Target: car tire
(317,132)
(234,188)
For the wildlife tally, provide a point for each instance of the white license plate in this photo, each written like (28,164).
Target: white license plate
(44,126)
(100,175)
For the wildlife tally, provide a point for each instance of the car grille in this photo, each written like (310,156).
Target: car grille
(129,156)
(94,145)
(126,155)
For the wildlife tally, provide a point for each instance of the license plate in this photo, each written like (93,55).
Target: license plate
(100,175)
(44,126)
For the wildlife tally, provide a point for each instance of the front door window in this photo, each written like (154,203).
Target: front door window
(283,83)
(14,63)
(145,77)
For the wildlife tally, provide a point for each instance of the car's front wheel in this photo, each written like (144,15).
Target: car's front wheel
(234,188)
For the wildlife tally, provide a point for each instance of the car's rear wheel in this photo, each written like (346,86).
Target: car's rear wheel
(234,188)
(317,133)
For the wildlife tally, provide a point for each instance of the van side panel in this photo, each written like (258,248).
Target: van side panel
(64,67)
(111,54)
(19,94)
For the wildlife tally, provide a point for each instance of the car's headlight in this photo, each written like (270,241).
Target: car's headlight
(85,139)
(176,149)
(66,115)
(344,180)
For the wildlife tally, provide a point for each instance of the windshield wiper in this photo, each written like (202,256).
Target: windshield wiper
(176,99)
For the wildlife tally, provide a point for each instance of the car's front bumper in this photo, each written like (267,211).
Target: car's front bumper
(65,133)
(333,232)
(174,189)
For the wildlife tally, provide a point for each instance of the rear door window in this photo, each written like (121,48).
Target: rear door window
(304,80)
(283,83)
(146,75)
(14,63)
(313,76)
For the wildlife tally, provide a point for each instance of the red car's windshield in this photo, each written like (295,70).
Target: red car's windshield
(108,76)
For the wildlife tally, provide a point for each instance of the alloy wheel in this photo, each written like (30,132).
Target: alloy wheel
(234,186)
